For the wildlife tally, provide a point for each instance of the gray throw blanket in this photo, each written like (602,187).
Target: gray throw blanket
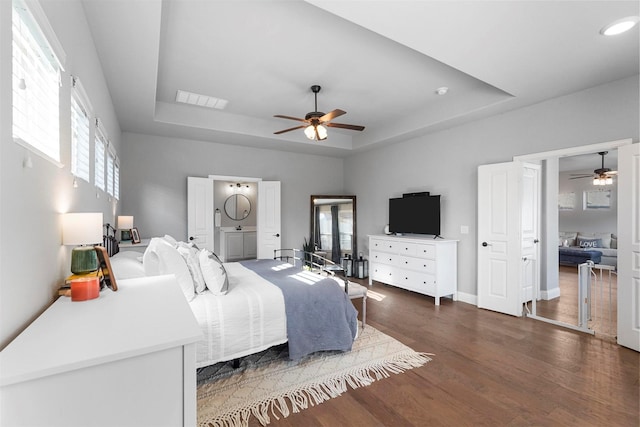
(320,316)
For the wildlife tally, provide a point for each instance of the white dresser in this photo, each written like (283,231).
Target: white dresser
(126,358)
(420,264)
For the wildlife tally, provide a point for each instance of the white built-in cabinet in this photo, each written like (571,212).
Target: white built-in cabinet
(420,264)
(237,245)
(126,358)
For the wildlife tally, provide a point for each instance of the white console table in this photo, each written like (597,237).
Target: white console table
(126,358)
(420,264)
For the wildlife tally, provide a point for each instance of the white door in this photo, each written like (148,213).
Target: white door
(530,229)
(269,236)
(629,246)
(499,250)
(200,212)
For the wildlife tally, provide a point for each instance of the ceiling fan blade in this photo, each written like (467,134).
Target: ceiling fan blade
(582,177)
(290,118)
(332,115)
(290,129)
(611,173)
(343,126)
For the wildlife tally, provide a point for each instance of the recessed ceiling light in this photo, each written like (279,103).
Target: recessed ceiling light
(442,90)
(619,26)
(200,100)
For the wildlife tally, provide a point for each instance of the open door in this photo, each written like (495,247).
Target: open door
(508,230)
(200,212)
(629,246)
(268,234)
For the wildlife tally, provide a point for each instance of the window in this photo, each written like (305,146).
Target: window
(37,64)
(116,180)
(110,168)
(80,128)
(100,145)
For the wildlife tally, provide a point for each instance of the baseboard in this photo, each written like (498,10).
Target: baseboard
(550,294)
(468,298)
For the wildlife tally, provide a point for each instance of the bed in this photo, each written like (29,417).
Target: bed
(246,307)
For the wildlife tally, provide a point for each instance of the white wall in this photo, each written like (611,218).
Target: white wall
(33,263)
(446,162)
(156,170)
(579,219)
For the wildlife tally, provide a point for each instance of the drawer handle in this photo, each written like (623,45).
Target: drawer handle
(406,262)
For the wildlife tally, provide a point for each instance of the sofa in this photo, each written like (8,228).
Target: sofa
(603,242)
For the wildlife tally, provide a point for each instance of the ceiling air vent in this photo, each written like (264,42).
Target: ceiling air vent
(200,100)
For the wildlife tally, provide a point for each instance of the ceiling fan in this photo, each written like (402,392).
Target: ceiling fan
(601,176)
(315,121)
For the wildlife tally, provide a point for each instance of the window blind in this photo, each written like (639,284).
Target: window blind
(35,80)
(110,168)
(116,180)
(80,134)
(99,158)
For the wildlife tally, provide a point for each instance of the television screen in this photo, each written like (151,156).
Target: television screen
(415,215)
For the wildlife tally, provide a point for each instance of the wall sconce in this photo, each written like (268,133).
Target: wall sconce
(85,230)
(125,224)
(217,218)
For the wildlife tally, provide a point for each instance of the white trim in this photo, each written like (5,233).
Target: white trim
(573,151)
(550,294)
(233,178)
(467,298)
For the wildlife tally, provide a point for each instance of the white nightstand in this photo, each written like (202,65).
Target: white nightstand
(139,247)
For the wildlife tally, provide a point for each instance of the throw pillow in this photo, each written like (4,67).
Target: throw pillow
(589,243)
(215,276)
(605,237)
(190,255)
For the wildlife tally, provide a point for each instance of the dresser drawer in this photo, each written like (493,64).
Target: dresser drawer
(381,273)
(380,245)
(383,258)
(417,264)
(416,281)
(418,250)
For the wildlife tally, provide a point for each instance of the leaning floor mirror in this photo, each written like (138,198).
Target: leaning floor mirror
(333,226)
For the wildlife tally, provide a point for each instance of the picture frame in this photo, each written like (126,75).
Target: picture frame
(105,267)
(135,235)
(566,201)
(597,199)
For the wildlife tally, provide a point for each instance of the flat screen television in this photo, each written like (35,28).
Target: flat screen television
(415,215)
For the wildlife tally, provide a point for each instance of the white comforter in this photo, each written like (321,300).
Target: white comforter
(248,319)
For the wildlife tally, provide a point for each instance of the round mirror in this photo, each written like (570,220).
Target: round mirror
(237,207)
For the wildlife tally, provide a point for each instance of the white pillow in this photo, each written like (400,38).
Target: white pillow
(215,276)
(162,258)
(173,242)
(190,255)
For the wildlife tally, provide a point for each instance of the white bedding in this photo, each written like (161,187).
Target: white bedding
(248,319)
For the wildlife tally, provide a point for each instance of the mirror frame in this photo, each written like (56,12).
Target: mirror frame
(354,240)
(236,198)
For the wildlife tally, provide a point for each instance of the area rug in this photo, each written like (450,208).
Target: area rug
(269,385)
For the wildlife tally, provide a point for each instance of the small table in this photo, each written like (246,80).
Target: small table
(139,247)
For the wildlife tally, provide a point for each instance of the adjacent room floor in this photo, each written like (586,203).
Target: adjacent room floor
(487,369)
(604,287)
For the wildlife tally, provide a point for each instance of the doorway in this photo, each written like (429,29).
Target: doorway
(566,206)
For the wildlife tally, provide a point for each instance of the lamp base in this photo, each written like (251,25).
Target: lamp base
(84,260)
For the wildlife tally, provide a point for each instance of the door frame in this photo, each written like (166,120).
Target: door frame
(551,199)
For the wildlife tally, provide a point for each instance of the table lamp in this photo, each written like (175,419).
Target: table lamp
(125,224)
(82,230)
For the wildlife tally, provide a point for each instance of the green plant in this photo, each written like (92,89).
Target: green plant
(307,247)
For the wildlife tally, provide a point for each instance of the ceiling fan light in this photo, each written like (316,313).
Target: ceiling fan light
(310,132)
(608,181)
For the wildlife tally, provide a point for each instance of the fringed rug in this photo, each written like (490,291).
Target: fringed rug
(269,385)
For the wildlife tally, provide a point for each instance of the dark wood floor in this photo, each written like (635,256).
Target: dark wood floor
(488,369)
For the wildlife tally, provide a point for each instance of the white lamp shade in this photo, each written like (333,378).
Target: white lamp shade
(125,222)
(82,228)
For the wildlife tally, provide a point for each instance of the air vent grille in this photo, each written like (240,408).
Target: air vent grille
(200,100)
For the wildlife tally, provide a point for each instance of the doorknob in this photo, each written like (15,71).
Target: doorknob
(277,235)
(535,240)
(191,238)
(485,244)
